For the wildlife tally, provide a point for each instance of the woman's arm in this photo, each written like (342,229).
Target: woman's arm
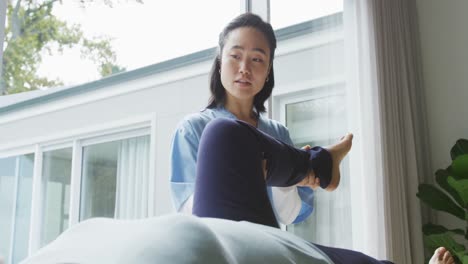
(184,149)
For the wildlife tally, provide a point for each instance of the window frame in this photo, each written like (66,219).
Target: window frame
(304,92)
(16,154)
(144,125)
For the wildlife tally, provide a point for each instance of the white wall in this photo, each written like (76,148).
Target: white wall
(444,42)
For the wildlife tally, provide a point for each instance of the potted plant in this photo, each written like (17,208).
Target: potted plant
(450,195)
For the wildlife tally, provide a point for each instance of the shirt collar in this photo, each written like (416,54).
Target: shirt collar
(223,112)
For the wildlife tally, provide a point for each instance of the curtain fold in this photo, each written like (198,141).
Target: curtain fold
(388,113)
(132,194)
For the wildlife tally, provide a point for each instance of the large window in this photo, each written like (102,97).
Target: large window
(115,178)
(114,181)
(15,206)
(66,43)
(105,173)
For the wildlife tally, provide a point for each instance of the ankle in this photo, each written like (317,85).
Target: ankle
(320,161)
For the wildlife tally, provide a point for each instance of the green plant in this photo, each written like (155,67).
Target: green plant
(450,196)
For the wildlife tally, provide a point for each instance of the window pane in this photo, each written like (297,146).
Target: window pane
(15,174)
(321,122)
(98,180)
(7,203)
(114,178)
(23,207)
(56,173)
(287,13)
(134,34)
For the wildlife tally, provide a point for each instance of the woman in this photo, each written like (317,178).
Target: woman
(226,158)
(247,88)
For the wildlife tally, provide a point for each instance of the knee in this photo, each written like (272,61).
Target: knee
(221,125)
(224,131)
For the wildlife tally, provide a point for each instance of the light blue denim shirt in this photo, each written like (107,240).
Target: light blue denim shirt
(184,155)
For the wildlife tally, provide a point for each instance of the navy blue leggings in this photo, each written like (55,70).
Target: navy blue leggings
(230,182)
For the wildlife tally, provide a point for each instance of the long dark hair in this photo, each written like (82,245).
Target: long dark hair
(218,93)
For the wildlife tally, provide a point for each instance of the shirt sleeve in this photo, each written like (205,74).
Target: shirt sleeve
(183,164)
(300,200)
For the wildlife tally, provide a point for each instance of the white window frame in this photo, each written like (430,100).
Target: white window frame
(305,91)
(16,153)
(77,139)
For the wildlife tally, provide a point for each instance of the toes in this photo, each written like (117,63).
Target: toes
(448,257)
(437,256)
(439,253)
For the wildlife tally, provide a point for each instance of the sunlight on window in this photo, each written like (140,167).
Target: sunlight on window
(15,205)
(82,41)
(56,173)
(287,13)
(141,34)
(114,179)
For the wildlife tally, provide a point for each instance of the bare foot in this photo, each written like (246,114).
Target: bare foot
(441,256)
(338,152)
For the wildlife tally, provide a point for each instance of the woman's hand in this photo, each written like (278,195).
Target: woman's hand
(310,180)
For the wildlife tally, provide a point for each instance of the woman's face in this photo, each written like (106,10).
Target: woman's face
(245,63)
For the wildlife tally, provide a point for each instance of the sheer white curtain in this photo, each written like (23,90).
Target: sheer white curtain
(386,112)
(132,190)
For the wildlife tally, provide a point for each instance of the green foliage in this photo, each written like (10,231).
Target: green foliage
(31,30)
(438,200)
(452,198)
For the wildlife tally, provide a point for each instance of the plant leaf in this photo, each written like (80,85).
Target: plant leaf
(460,148)
(441,179)
(461,186)
(438,200)
(460,166)
(465,259)
(430,229)
(433,241)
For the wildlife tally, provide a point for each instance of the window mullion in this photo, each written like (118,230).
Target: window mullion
(245,6)
(75,184)
(36,214)
(153,179)
(259,7)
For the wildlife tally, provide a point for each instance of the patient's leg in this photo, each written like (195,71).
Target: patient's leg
(230,183)
(346,256)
